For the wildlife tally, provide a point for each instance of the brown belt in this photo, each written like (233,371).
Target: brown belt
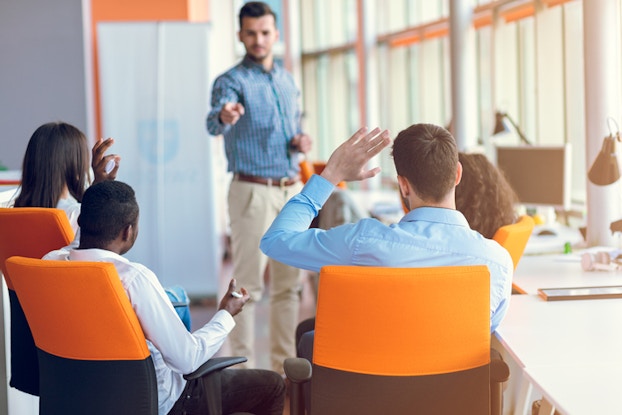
(281,182)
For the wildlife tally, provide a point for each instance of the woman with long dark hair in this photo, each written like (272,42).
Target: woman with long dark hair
(55,174)
(55,170)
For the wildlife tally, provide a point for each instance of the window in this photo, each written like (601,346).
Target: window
(524,62)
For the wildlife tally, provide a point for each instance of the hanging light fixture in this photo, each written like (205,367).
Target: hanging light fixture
(605,170)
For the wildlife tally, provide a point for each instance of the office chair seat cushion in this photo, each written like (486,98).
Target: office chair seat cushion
(338,392)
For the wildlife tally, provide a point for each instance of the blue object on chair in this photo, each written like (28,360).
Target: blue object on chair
(179,297)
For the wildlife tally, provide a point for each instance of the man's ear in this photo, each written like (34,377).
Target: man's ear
(127,233)
(404,186)
(458,173)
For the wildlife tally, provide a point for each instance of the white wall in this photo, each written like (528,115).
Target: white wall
(42,75)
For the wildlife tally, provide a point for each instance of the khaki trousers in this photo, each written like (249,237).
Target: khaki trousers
(252,208)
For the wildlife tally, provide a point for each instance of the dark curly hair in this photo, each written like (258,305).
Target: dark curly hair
(484,196)
(107,208)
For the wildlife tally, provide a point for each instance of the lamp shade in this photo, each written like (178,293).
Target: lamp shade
(605,169)
(501,126)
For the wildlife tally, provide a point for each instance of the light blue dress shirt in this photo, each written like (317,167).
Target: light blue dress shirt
(259,143)
(425,237)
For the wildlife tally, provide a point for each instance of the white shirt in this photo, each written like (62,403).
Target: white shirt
(174,350)
(72,209)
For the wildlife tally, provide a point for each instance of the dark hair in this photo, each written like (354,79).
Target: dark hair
(57,155)
(427,156)
(255,9)
(484,196)
(107,208)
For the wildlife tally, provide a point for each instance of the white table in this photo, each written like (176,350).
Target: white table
(562,339)
(538,332)
(579,389)
(559,270)
(540,244)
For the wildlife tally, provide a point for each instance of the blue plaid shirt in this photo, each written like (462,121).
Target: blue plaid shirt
(259,143)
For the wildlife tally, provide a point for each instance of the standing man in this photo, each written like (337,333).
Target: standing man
(254,106)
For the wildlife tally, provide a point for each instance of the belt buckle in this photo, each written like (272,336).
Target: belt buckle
(282,182)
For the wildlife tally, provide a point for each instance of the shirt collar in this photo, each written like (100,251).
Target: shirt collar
(95,254)
(435,214)
(249,63)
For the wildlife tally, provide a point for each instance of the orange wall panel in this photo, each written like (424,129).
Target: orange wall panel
(122,10)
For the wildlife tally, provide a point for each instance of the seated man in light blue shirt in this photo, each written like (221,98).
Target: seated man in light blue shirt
(433,233)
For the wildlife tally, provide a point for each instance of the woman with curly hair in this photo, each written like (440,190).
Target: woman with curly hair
(484,196)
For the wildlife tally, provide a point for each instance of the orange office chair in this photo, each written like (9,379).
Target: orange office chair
(93,356)
(29,232)
(401,340)
(514,238)
(309,168)
(306,170)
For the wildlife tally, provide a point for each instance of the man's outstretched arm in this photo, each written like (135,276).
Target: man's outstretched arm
(289,239)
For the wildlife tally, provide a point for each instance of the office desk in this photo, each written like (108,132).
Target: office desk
(558,270)
(538,332)
(546,339)
(540,244)
(579,389)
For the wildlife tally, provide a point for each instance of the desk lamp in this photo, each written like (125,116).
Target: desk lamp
(501,126)
(605,170)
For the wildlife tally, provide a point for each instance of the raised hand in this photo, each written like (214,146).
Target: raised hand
(233,302)
(349,161)
(99,160)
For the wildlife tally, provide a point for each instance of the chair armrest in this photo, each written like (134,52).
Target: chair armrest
(499,370)
(297,369)
(214,364)
(209,375)
(499,373)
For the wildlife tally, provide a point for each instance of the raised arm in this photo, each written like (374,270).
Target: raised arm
(226,108)
(289,239)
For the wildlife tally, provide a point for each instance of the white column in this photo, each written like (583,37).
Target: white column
(602,100)
(462,73)
(368,75)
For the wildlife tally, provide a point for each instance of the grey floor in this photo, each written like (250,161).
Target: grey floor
(202,311)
